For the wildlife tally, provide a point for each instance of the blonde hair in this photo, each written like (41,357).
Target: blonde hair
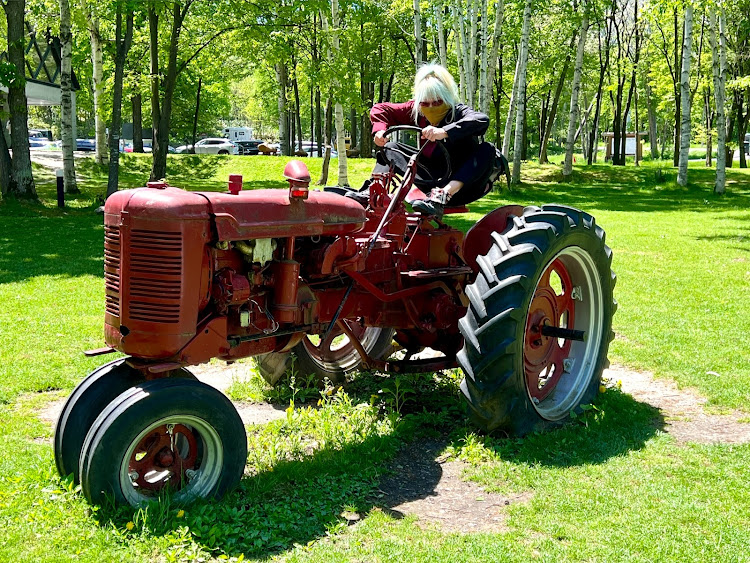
(434,82)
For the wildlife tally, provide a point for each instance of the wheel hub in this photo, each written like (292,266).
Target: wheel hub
(163,457)
(544,356)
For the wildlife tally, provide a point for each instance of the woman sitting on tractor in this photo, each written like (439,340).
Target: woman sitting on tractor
(436,109)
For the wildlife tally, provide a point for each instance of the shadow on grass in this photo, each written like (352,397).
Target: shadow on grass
(41,242)
(303,500)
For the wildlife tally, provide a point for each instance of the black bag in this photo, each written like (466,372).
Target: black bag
(500,167)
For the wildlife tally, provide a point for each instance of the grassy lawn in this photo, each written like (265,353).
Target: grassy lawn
(609,487)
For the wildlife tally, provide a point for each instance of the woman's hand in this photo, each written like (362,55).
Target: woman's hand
(380,139)
(432,133)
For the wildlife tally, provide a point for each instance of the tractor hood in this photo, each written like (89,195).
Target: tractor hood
(253,214)
(249,214)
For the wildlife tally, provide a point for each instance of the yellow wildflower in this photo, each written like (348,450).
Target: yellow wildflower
(602,389)
(129,526)
(180,514)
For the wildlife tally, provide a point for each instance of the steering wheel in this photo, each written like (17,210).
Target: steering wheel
(408,151)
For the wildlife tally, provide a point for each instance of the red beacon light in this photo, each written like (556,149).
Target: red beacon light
(235,183)
(299,179)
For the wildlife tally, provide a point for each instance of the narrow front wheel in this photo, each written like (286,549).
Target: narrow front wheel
(178,437)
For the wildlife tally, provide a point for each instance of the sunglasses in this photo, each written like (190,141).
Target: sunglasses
(433,104)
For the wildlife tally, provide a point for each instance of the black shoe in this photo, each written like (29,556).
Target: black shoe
(429,207)
(433,205)
(363,197)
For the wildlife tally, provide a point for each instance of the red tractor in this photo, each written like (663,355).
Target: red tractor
(522,303)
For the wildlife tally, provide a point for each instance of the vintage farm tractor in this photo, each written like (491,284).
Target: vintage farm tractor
(522,303)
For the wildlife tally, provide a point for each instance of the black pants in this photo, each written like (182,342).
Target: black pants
(472,167)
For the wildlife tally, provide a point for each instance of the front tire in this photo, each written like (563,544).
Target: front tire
(164,436)
(550,270)
(86,402)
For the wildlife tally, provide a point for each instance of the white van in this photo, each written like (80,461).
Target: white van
(238,133)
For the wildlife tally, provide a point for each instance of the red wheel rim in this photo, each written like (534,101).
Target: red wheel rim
(327,350)
(163,456)
(544,356)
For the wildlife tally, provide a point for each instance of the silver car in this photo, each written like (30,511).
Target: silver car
(216,146)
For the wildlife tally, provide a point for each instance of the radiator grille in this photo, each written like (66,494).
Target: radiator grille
(112,270)
(155,276)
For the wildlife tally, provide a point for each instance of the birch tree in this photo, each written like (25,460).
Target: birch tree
(718,67)
(575,91)
(523,57)
(66,71)
(338,110)
(97,81)
(685,97)
(511,109)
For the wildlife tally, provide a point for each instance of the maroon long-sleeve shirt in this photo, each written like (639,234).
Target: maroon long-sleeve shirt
(465,122)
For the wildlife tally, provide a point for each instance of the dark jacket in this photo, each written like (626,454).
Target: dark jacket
(461,125)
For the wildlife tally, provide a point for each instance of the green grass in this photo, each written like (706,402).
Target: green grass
(609,487)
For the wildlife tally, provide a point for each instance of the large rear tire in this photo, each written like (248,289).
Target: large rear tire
(331,358)
(550,270)
(176,436)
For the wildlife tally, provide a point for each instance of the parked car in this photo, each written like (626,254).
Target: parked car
(216,146)
(87,145)
(747,144)
(312,149)
(248,147)
(39,142)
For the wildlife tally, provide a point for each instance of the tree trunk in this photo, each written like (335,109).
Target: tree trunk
(121,52)
(417,32)
(472,42)
(318,123)
(5,162)
(66,95)
(708,121)
(742,127)
(521,110)
(329,133)
(98,88)
(677,93)
(197,112)
(687,52)
(575,91)
(298,110)
(161,103)
(496,38)
(553,109)
(484,98)
(354,137)
(338,109)
(718,68)
(442,49)
(603,66)
(281,78)
(136,102)
(652,130)
(21,180)
(511,109)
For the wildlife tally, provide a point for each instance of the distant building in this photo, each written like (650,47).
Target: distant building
(43,54)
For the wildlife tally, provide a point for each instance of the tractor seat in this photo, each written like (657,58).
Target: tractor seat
(457,209)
